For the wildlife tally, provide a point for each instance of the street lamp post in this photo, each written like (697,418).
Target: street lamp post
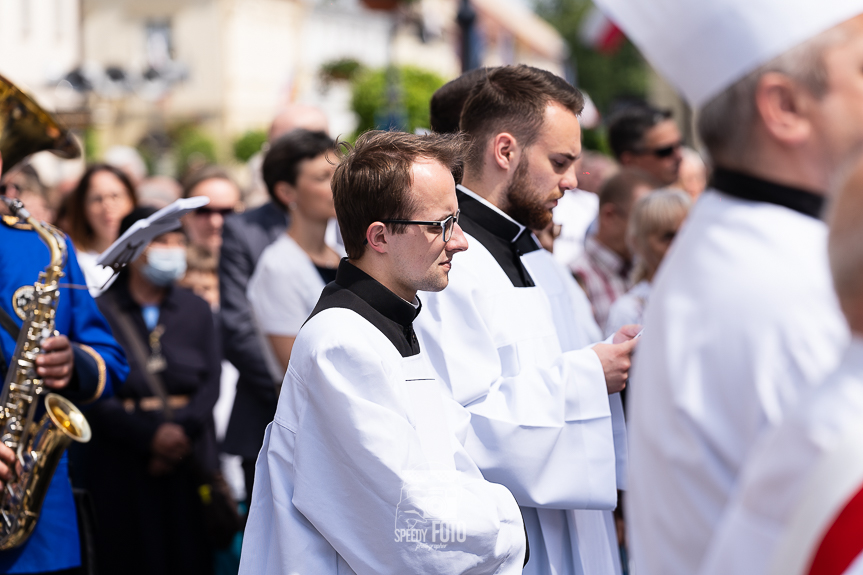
(466,19)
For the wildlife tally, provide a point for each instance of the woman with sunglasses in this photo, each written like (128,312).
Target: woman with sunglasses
(293,271)
(97,205)
(654,222)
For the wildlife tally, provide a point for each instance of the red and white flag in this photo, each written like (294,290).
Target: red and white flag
(600,33)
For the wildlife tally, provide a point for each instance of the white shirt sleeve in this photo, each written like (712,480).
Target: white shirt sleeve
(540,419)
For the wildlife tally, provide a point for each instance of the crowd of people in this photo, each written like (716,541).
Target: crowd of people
(428,338)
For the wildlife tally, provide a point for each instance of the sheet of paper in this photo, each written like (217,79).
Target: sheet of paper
(131,244)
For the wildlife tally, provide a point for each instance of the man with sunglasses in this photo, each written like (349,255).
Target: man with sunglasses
(204,225)
(506,335)
(648,138)
(363,469)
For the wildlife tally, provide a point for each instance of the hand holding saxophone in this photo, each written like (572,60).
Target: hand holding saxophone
(7,459)
(56,364)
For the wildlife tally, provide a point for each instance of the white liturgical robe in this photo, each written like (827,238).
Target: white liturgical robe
(363,469)
(741,320)
(541,421)
(815,455)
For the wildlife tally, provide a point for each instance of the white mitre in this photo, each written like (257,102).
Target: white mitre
(703,46)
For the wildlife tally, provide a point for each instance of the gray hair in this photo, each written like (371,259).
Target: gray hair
(725,122)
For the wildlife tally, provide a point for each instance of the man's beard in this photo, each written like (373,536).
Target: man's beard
(524,204)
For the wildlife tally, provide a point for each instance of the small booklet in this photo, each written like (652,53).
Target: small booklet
(131,244)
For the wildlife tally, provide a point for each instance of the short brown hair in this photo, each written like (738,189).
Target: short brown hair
(513,99)
(619,188)
(447,102)
(373,180)
(197,177)
(283,158)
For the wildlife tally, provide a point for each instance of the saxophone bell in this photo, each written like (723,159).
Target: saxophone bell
(67,418)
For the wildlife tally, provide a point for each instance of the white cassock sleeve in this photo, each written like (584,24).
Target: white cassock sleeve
(540,418)
(344,460)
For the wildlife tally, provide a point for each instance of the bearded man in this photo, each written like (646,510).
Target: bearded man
(504,337)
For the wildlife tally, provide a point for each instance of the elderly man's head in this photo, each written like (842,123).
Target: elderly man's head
(297,117)
(805,102)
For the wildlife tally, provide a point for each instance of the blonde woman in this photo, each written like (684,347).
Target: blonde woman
(653,223)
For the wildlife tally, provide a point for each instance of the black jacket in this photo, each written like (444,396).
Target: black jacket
(244,238)
(154,524)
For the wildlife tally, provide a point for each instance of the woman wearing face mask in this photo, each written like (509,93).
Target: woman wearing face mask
(155,438)
(102,198)
(653,223)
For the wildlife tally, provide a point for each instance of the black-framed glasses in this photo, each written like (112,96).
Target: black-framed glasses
(447,224)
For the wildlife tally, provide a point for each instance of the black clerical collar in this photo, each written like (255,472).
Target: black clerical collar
(503,237)
(384,301)
(488,216)
(357,291)
(755,189)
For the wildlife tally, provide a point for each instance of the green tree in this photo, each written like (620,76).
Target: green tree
(249,144)
(373,97)
(193,148)
(604,76)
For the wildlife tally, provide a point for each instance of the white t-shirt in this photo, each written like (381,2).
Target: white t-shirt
(284,289)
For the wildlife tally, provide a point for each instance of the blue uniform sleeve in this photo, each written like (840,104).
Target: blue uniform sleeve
(100,364)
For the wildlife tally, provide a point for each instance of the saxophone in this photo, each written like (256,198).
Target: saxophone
(38,445)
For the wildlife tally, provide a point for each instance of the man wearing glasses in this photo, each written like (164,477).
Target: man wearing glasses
(645,137)
(506,337)
(363,469)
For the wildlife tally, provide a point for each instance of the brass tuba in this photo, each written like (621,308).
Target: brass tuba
(25,128)
(38,443)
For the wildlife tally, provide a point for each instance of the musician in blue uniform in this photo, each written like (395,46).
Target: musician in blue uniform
(82,364)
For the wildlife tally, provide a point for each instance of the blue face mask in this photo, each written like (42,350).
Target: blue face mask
(164,265)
